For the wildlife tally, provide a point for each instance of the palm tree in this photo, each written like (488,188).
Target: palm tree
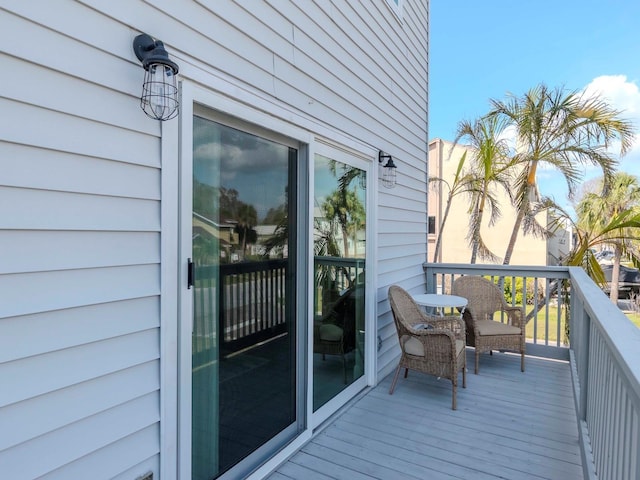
(562,130)
(624,225)
(595,211)
(490,165)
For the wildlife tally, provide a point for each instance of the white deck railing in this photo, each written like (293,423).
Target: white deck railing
(604,351)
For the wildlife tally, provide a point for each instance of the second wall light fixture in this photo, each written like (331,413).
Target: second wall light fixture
(389,169)
(159,98)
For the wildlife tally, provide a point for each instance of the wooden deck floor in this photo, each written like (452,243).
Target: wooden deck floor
(508,425)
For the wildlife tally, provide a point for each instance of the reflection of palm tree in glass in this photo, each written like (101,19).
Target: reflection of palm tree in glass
(280,238)
(324,242)
(348,174)
(247,219)
(351,200)
(342,210)
(347,210)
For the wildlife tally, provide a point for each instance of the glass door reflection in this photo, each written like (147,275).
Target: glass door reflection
(244,329)
(339,272)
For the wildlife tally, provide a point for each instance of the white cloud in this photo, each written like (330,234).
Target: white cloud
(622,95)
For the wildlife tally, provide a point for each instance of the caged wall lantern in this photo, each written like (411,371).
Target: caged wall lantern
(389,169)
(159,98)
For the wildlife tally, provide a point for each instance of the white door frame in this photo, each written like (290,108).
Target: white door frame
(360,160)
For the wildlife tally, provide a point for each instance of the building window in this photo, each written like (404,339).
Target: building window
(432,224)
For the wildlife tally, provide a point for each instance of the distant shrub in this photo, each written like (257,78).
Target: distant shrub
(517,291)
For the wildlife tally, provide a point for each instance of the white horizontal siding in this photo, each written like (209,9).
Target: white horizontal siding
(394,55)
(40,168)
(152,464)
(46,413)
(22,208)
(92,50)
(213,42)
(117,461)
(176,33)
(30,335)
(80,249)
(43,250)
(59,92)
(28,293)
(60,369)
(238,32)
(109,426)
(35,126)
(267,25)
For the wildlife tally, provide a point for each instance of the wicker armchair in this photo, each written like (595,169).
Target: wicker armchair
(483,332)
(430,344)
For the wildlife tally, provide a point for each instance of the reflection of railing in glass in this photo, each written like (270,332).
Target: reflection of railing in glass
(250,297)
(338,327)
(250,304)
(334,275)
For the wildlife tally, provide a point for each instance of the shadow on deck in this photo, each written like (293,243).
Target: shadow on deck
(508,425)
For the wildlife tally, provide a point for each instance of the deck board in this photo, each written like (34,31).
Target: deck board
(508,425)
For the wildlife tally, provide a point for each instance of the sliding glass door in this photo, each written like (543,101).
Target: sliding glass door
(339,229)
(244,330)
(279,335)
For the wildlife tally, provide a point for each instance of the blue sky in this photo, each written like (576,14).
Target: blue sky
(484,50)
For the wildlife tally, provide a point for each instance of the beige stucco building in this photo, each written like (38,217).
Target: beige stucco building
(443,161)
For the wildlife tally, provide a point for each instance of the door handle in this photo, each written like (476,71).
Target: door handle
(190,273)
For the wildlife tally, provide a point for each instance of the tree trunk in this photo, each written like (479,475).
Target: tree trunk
(474,251)
(436,252)
(531,183)
(345,242)
(514,237)
(615,275)
(511,246)
(476,235)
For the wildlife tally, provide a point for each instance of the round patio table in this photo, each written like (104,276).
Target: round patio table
(441,301)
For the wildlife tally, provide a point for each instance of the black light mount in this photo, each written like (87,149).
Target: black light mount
(389,173)
(159,98)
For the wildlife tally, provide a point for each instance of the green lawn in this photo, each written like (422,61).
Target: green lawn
(542,325)
(553,323)
(635,318)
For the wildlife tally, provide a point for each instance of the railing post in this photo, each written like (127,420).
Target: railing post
(430,278)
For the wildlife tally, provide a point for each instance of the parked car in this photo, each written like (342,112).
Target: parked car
(628,281)
(605,257)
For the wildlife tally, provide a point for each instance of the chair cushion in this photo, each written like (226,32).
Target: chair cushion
(413,346)
(491,327)
(330,332)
